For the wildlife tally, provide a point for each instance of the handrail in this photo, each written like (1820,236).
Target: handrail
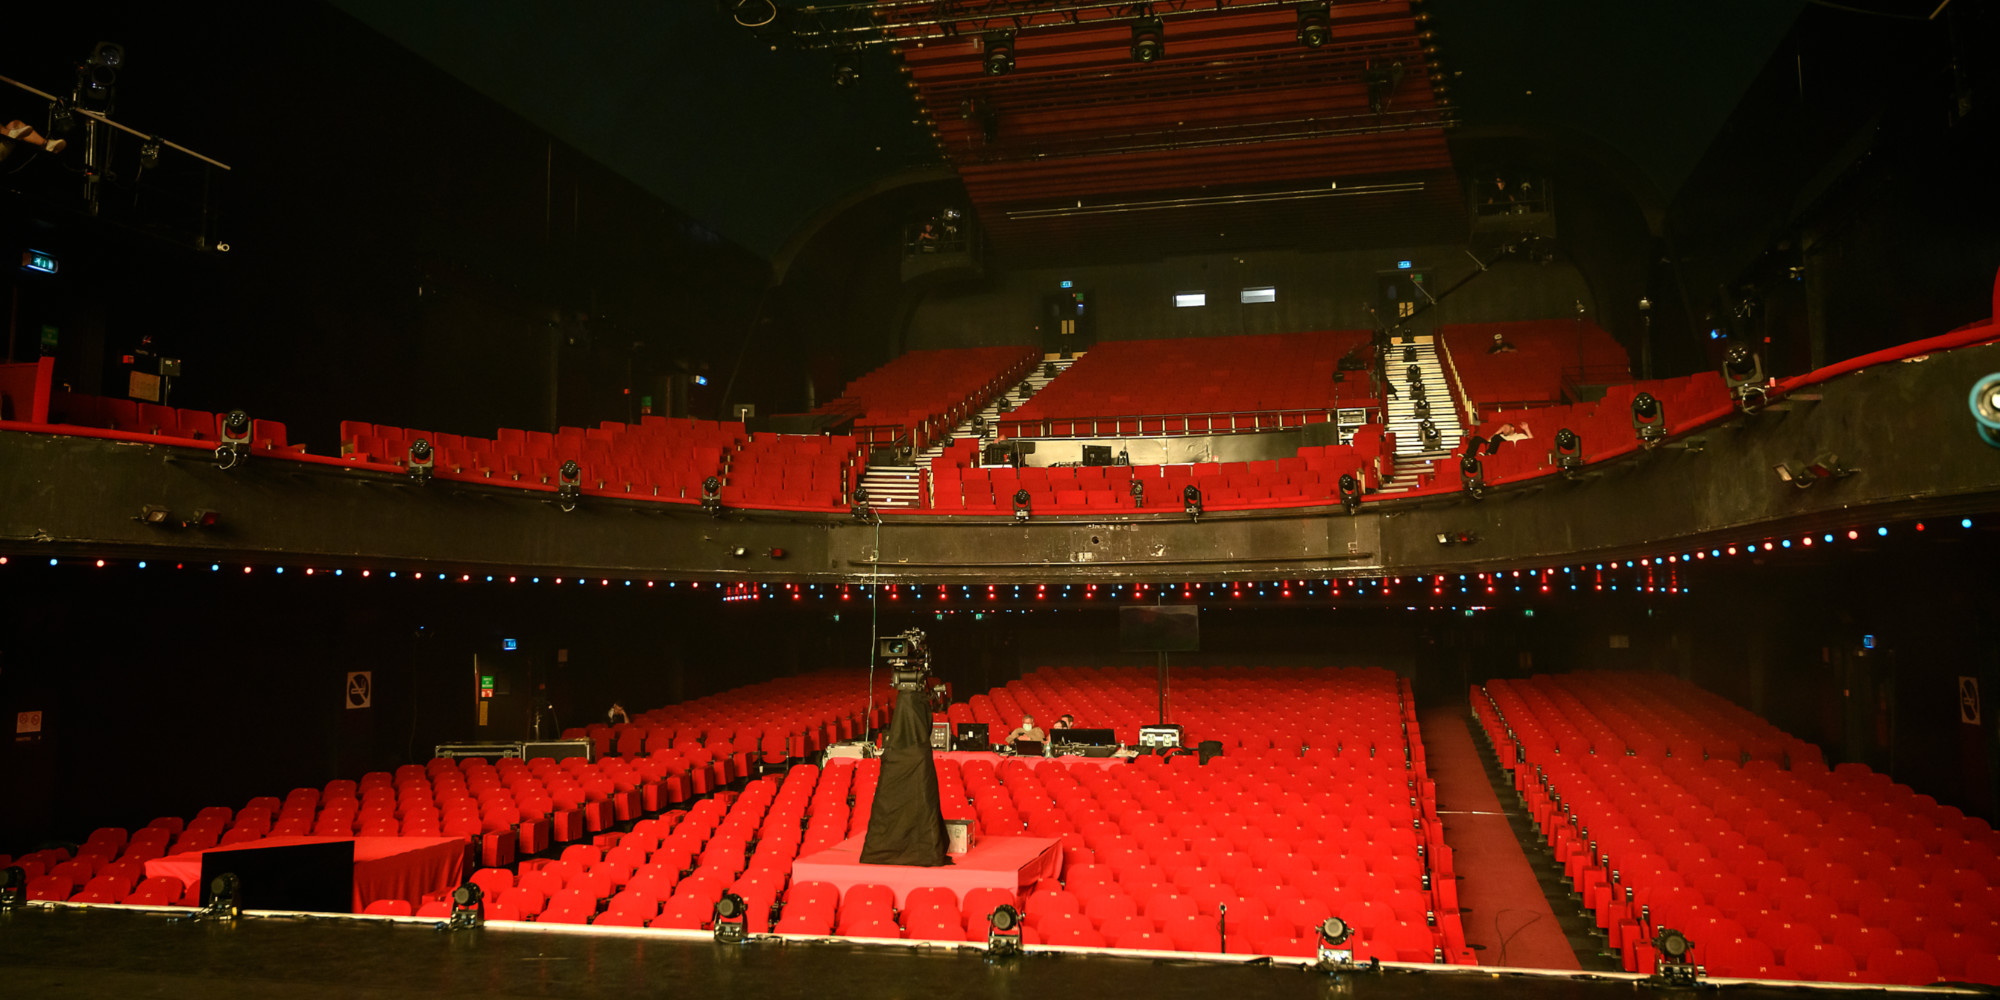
(1466,413)
(1015,428)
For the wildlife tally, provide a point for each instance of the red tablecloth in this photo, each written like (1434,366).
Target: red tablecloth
(384,867)
(994,863)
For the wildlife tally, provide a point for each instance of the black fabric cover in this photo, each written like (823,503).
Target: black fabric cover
(906,825)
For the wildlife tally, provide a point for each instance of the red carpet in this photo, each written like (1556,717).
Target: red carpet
(1505,911)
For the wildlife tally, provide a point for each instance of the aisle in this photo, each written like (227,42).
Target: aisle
(1507,917)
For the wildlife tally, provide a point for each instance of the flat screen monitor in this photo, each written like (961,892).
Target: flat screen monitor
(1029,748)
(313,878)
(1148,628)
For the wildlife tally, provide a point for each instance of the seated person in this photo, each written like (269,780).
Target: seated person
(1500,345)
(1067,721)
(1027,731)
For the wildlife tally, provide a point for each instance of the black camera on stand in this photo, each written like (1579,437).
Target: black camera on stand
(909,658)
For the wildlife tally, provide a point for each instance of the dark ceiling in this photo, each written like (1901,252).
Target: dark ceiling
(756,140)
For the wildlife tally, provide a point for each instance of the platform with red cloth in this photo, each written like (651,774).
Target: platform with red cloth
(993,863)
(384,867)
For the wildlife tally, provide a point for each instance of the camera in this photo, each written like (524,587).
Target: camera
(909,658)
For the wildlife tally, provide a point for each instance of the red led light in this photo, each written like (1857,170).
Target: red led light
(1920,525)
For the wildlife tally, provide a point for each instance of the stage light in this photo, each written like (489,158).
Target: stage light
(711,496)
(468,907)
(1985,404)
(1334,933)
(569,485)
(235,434)
(999,59)
(1003,930)
(1472,476)
(1315,29)
(149,153)
(1191,500)
(1649,419)
(204,519)
(1138,493)
(224,898)
(151,514)
(1428,430)
(1021,505)
(1149,40)
(1568,455)
(732,916)
(1673,948)
(753,13)
(420,461)
(860,509)
(1350,492)
(1743,374)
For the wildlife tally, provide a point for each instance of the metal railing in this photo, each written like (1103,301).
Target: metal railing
(1182,424)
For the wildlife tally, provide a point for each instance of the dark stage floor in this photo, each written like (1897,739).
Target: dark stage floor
(107,953)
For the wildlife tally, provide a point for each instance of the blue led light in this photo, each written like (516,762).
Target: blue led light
(336,572)
(1965,522)
(701,380)
(1827,538)
(215,567)
(1068,283)
(1787,543)
(281,569)
(392,574)
(1402,265)
(1882,531)
(52,562)
(142,564)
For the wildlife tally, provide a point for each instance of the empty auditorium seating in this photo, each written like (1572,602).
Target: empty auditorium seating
(1671,807)
(791,470)
(657,457)
(1548,357)
(1312,476)
(1604,426)
(923,394)
(135,417)
(1195,386)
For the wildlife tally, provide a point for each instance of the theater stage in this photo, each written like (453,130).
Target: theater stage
(406,868)
(99,952)
(1008,863)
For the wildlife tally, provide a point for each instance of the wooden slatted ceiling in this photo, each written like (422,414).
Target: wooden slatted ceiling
(1236,105)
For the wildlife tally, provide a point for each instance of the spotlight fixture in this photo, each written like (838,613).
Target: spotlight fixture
(1315,27)
(235,434)
(711,496)
(1649,420)
(97,79)
(1568,454)
(1138,493)
(1804,474)
(1673,947)
(62,120)
(1743,373)
(13,887)
(1334,933)
(149,153)
(225,899)
(1149,39)
(1191,500)
(732,916)
(1021,505)
(203,518)
(1350,492)
(1472,475)
(420,461)
(1429,431)
(153,514)
(569,485)
(468,907)
(999,59)
(860,509)
(1003,930)
(1986,408)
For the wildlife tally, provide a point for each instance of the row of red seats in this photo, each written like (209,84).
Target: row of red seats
(1224,384)
(1773,865)
(793,470)
(923,394)
(659,456)
(1312,474)
(1603,426)
(134,417)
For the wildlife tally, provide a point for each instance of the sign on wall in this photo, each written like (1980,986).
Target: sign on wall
(1968,700)
(360,688)
(27,722)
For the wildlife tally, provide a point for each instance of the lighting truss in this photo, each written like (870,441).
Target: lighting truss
(896,22)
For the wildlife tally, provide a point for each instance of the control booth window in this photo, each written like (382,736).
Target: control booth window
(1266,293)
(1188,300)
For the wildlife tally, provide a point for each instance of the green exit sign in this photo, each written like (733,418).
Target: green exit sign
(37,260)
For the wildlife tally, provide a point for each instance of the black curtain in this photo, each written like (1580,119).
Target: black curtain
(906,826)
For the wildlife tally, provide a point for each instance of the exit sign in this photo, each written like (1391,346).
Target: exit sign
(36,260)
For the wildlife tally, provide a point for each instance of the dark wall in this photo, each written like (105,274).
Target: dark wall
(402,250)
(1315,291)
